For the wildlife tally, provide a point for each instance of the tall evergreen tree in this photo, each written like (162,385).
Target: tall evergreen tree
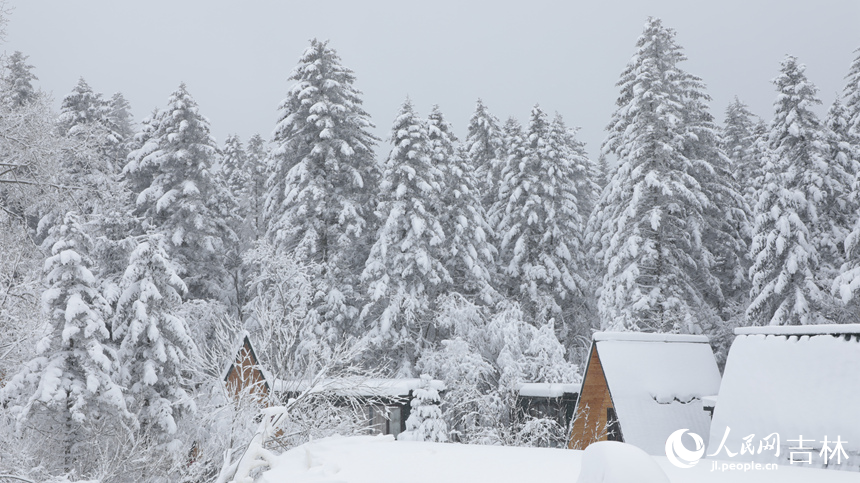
(469,254)
(322,176)
(177,194)
(838,211)
(155,348)
(18,79)
(852,98)
(540,230)
(484,147)
(68,389)
(648,227)
(737,141)
(253,195)
(405,271)
(784,252)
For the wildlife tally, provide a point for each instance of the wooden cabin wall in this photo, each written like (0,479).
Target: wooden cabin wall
(589,425)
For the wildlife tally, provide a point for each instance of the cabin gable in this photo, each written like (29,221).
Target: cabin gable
(594,407)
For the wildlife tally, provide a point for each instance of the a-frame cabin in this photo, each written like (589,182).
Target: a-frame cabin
(640,388)
(245,374)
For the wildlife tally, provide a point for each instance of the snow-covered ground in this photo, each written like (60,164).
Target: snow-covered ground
(381,459)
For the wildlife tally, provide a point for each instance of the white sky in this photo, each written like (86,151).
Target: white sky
(236,56)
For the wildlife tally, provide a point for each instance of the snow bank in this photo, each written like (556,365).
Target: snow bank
(360,387)
(545,389)
(657,382)
(792,385)
(614,462)
(381,459)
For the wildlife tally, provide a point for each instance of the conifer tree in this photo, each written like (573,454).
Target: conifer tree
(648,227)
(405,271)
(155,348)
(469,255)
(425,421)
(852,98)
(784,252)
(178,196)
(484,147)
(18,80)
(540,230)
(67,390)
(253,195)
(737,141)
(322,176)
(838,211)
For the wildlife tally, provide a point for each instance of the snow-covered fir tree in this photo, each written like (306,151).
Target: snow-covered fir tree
(155,349)
(469,254)
(405,271)
(784,250)
(484,146)
(322,176)
(67,392)
(851,94)
(648,226)
(540,228)
(18,80)
(177,194)
(253,196)
(838,211)
(425,421)
(737,141)
(233,169)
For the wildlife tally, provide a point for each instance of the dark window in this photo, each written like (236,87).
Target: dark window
(613,429)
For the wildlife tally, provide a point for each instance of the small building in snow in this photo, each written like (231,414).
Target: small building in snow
(548,400)
(385,402)
(640,388)
(789,383)
(245,374)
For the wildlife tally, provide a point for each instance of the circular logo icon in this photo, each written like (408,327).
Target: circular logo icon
(679,455)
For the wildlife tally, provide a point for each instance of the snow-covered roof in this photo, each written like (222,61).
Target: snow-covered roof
(359,387)
(657,382)
(547,389)
(649,337)
(793,385)
(800,329)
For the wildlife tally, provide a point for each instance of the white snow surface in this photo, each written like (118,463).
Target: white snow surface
(794,386)
(614,462)
(800,329)
(649,337)
(657,387)
(381,459)
(546,389)
(360,387)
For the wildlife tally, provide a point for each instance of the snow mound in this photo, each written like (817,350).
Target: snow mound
(614,462)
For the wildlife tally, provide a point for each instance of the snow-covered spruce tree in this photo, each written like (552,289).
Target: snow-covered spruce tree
(484,147)
(322,175)
(783,251)
(178,196)
(253,194)
(737,141)
(18,80)
(586,173)
(838,211)
(727,215)
(405,271)
(648,227)
(121,123)
(540,229)
(66,395)
(425,421)
(469,255)
(154,346)
(852,98)
(513,145)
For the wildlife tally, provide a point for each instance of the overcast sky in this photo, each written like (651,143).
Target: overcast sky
(236,56)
